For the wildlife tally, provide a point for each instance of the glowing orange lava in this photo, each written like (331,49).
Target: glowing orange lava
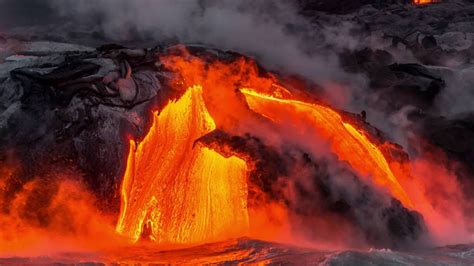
(346,141)
(180,192)
(424,2)
(176,191)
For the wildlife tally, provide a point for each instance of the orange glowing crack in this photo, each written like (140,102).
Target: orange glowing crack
(345,141)
(180,193)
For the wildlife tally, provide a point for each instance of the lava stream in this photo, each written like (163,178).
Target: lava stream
(347,142)
(173,192)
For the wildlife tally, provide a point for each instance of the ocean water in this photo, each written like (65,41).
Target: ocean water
(248,251)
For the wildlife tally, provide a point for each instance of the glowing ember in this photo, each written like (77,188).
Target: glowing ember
(181,193)
(347,142)
(424,2)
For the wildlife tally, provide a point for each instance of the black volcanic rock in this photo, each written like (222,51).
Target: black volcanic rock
(70,111)
(394,85)
(342,6)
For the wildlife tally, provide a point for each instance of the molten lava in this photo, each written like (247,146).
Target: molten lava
(175,191)
(347,142)
(424,2)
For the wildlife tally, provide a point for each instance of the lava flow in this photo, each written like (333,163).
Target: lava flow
(346,141)
(176,192)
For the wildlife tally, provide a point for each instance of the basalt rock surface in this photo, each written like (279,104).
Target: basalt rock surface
(74,108)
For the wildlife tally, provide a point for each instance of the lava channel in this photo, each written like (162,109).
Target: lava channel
(175,193)
(346,142)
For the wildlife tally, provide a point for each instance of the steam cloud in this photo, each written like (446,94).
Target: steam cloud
(271,31)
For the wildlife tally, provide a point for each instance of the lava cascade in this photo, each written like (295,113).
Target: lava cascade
(347,142)
(178,192)
(174,193)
